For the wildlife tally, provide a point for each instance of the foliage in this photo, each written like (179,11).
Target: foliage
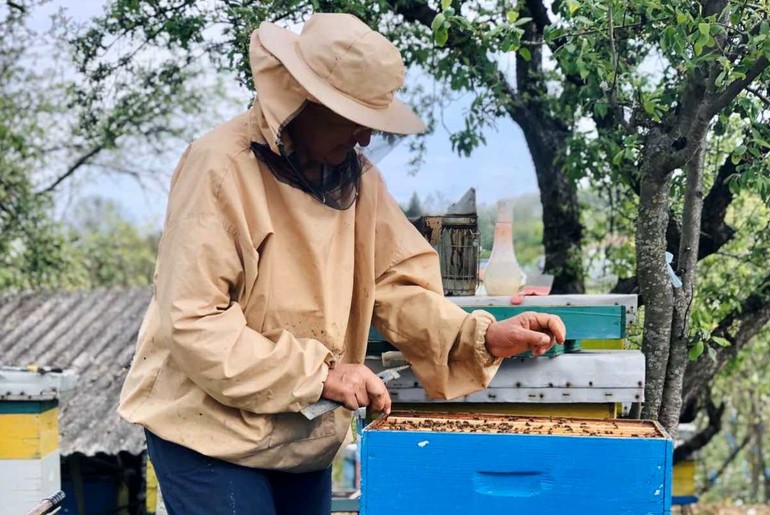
(111,250)
(221,31)
(34,251)
(631,59)
(745,390)
(60,118)
(617,95)
(648,131)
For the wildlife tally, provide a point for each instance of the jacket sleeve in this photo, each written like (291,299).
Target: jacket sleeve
(202,260)
(444,344)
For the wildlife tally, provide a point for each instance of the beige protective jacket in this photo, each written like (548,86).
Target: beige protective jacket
(259,289)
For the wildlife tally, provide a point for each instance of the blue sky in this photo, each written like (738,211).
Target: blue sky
(502,168)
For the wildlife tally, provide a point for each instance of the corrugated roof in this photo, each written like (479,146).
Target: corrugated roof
(93,333)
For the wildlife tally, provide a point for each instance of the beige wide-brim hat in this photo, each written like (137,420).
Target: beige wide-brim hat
(348,67)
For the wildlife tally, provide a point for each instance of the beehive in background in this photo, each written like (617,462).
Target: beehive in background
(462,464)
(29,435)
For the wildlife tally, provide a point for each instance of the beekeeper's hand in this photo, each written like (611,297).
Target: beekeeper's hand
(529,331)
(355,386)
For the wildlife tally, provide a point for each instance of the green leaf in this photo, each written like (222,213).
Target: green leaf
(438,22)
(512,16)
(649,105)
(712,353)
(446,4)
(572,6)
(467,25)
(695,351)
(720,78)
(552,33)
(722,342)
(618,158)
(704,28)
(441,35)
(525,54)
(601,109)
(681,18)
(698,47)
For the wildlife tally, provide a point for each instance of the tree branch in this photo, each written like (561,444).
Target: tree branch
(539,14)
(682,133)
(82,160)
(759,95)
(714,230)
(704,436)
(738,327)
(14,5)
(627,285)
(744,36)
(736,86)
(726,463)
(421,13)
(711,7)
(613,97)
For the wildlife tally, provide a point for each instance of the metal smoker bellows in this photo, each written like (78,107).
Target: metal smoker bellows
(455,237)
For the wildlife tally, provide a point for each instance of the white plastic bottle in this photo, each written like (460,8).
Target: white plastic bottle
(503,275)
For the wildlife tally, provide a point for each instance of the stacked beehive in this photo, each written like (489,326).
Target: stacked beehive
(495,464)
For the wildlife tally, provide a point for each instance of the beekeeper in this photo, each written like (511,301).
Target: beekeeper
(281,247)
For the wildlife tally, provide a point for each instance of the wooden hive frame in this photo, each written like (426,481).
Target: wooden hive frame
(506,424)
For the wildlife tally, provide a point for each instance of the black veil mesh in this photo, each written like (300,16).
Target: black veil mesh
(338,185)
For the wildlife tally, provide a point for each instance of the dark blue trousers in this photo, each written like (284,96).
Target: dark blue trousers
(192,483)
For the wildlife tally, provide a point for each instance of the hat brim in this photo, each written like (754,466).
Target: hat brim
(397,118)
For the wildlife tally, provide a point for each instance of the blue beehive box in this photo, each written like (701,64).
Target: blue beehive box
(430,463)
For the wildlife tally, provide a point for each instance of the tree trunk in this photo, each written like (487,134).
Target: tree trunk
(546,135)
(687,260)
(654,283)
(562,230)
(546,138)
